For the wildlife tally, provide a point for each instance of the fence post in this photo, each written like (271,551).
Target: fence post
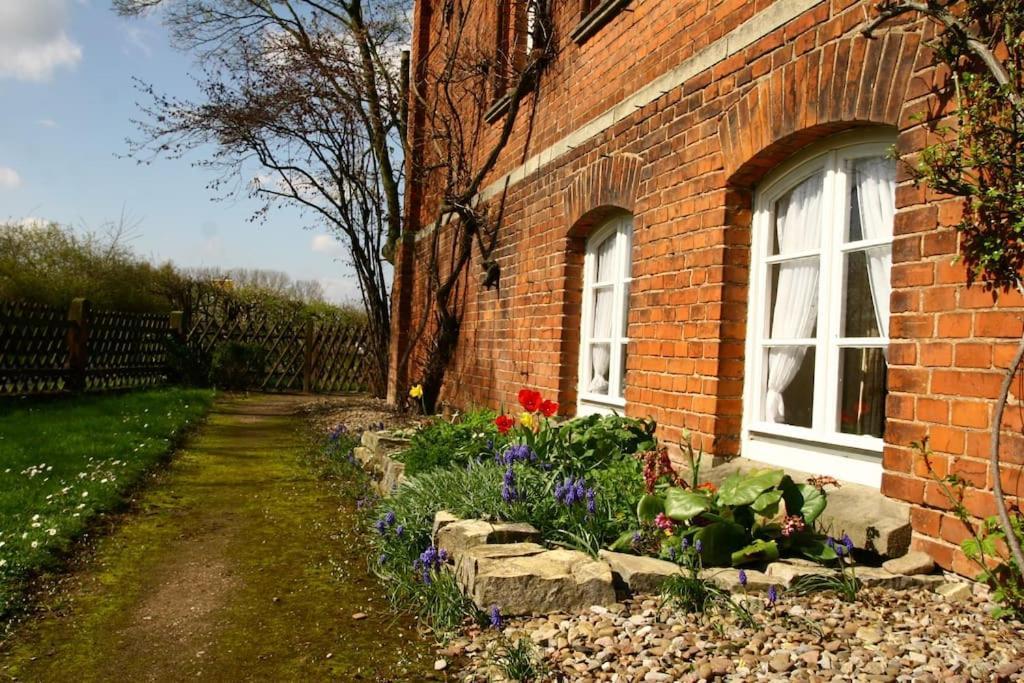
(307,357)
(78,343)
(176,321)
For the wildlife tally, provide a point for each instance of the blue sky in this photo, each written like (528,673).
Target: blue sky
(66,69)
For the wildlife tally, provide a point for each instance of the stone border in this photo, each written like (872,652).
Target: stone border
(503,564)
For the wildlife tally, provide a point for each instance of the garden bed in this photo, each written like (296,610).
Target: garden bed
(523,521)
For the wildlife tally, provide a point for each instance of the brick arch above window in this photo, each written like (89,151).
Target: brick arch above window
(609,185)
(846,84)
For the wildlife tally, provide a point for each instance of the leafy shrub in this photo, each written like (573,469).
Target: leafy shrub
(754,517)
(444,443)
(237,365)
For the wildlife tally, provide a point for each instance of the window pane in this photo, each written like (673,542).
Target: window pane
(789,398)
(604,299)
(605,271)
(872,194)
(600,360)
(862,391)
(794,303)
(861,300)
(798,217)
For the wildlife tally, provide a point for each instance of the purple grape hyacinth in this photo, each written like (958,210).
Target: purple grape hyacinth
(743,578)
(496,621)
(509,494)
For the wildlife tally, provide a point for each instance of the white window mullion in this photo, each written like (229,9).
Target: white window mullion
(615,365)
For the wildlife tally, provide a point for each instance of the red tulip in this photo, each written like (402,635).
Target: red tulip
(530,400)
(548,408)
(504,423)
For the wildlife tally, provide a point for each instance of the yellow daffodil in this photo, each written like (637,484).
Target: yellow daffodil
(527,420)
(416,391)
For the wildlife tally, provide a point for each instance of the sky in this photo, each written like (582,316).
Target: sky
(66,70)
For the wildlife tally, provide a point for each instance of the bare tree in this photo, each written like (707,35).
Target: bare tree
(302,101)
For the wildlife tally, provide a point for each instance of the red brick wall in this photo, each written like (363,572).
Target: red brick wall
(685,165)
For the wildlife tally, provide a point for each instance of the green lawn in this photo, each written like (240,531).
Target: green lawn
(65,461)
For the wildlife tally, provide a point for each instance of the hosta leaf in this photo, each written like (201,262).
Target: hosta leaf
(743,489)
(649,507)
(813,548)
(758,551)
(682,505)
(767,504)
(803,499)
(720,540)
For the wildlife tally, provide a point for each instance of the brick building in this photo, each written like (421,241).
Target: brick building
(703,224)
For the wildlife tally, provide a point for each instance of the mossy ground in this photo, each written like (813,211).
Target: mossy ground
(239,564)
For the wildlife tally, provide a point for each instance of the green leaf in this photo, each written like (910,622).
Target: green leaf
(803,499)
(623,542)
(743,489)
(758,551)
(649,507)
(682,505)
(767,504)
(720,540)
(812,547)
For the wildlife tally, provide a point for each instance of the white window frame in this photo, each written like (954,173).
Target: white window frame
(621,226)
(820,449)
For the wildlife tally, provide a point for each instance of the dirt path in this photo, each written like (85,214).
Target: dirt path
(238,565)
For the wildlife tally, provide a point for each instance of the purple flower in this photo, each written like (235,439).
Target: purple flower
(830,542)
(698,546)
(399,530)
(381,526)
(496,620)
(672,554)
(382,558)
(389,518)
(685,543)
(848,542)
(637,537)
(773,594)
(508,486)
(743,578)
(516,453)
(591,501)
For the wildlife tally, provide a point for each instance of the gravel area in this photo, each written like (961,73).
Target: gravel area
(887,635)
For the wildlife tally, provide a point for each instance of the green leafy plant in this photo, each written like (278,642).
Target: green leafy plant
(986,544)
(519,660)
(693,592)
(453,442)
(844,581)
(754,517)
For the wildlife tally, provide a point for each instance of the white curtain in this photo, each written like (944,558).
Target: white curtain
(798,228)
(604,304)
(876,200)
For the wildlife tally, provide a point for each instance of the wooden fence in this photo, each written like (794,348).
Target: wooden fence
(47,350)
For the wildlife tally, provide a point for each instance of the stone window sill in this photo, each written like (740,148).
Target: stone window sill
(595,19)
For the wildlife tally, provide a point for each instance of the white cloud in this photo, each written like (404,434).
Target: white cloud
(325,244)
(136,40)
(34,42)
(47,123)
(341,290)
(9,178)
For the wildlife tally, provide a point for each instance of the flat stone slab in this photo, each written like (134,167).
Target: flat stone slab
(458,537)
(364,455)
(873,521)
(384,442)
(393,475)
(442,518)
(550,581)
(467,564)
(728,579)
(786,574)
(637,573)
(913,563)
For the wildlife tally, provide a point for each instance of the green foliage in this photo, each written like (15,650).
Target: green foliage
(64,462)
(237,365)
(587,444)
(692,592)
(446,443)
(986,544)
(739,523)
(981,152)
(844,582)
(519,660)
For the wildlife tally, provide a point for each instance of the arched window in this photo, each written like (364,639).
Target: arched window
(819,310)
(607,272)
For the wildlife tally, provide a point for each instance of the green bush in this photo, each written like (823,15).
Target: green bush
(237,365)
(446,443)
